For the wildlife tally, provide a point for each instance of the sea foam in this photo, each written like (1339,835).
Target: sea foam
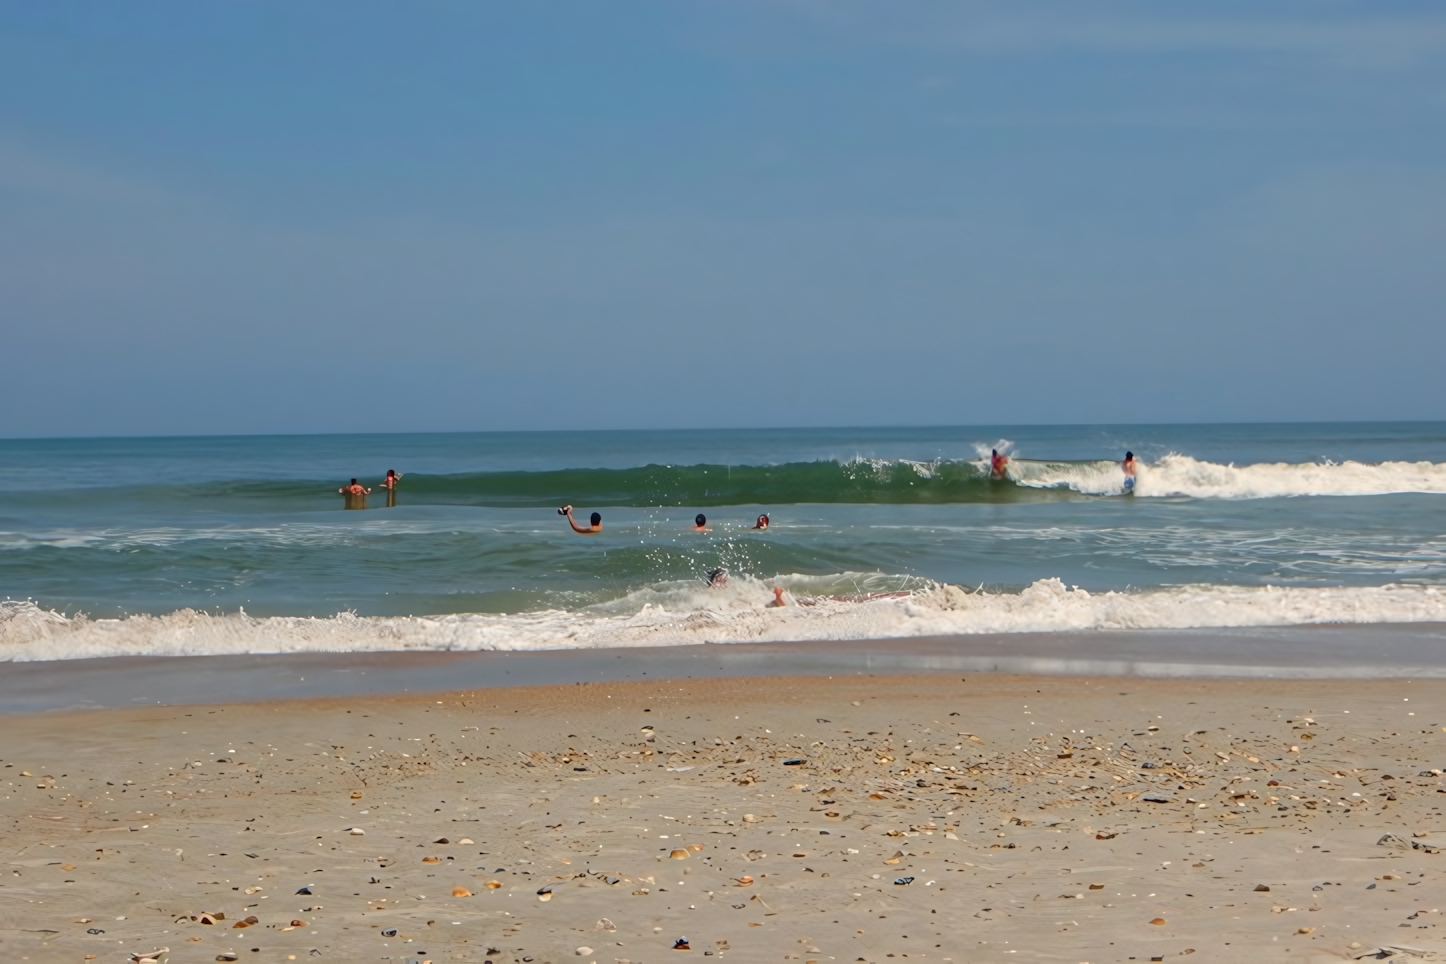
(1181,475)
(682,615)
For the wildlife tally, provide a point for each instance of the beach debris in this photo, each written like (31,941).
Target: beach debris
(750,818)
(305,890)
(248,922)
(545,894)
(227,956)
(794,762)
(903,881)
(897,856)
(744,881)
(442,840)
(251,890)
(356,794)
(1155,798)
(431,860)
(1262,888)
(390,932)
(1102,835)
(357,832)
(461,892)
(98,930)
(298,923)
(464,840)
(493,884)
(1304,930)
(603,924)
(679,854)
(681,944)
(1391,840)
(583,951)
(1097,886)
(1159,922)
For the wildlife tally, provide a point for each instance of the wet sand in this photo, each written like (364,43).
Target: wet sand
(1400,650)
(860,818)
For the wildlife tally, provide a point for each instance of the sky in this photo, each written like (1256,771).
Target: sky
(358,216)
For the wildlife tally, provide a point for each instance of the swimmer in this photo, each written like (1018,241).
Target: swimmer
(390,482)
(997,464)
(700,523)
(1129,466)
(762,522)
(717,578)
(356,495)
(778,600)
(594,526)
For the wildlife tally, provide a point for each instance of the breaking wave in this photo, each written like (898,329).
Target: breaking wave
(855,481)
(686,613)
(1180,475)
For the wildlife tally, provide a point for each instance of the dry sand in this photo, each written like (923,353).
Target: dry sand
(990,818)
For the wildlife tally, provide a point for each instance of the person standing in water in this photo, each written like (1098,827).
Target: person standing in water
(355,494)
(390,484)
(997,464)
(594,523)
(700,523)
(1129,466)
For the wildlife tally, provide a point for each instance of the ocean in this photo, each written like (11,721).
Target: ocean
(189,546)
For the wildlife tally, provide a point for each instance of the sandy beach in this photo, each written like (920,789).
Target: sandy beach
(935,817)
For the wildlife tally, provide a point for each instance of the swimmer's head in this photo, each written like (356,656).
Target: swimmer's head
(353,481)
(700,520)
(1129,456)
(994,453)
(391,472)
(595,518)
(763,521)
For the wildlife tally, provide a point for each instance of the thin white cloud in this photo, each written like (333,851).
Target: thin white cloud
(27,172)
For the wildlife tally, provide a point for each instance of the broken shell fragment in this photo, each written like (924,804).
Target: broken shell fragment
(461,892)
(679,854)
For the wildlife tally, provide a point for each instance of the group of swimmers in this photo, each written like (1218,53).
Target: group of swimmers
(717,578)
(594,526)
(356,493)
(999,464)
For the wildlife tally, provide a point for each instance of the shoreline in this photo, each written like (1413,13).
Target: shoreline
(1393,650)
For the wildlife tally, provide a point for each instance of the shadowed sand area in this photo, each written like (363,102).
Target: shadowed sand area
(940,816)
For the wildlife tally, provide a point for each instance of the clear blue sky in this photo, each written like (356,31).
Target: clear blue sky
(282,217)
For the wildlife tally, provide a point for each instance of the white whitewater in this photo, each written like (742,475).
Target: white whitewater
(678,614)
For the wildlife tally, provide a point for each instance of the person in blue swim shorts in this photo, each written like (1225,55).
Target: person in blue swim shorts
(1129,467)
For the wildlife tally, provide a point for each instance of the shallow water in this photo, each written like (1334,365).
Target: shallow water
(1229,525)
